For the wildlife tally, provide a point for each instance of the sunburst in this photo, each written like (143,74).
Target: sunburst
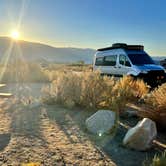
(15,35)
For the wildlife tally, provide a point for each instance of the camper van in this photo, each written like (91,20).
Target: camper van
(122,59)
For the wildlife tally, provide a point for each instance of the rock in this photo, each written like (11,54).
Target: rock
(141,136)
(101,122)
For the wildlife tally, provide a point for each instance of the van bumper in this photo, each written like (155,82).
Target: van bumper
(153,78)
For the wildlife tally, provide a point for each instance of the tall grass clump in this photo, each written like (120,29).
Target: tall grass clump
(93,91)
(130,90)
(158,160)
(155,107)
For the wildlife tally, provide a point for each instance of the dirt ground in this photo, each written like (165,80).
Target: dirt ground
(52,135)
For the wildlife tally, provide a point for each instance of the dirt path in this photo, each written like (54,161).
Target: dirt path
(28,134)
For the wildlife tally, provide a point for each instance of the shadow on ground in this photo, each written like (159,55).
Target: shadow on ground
(4,140)
(72,122)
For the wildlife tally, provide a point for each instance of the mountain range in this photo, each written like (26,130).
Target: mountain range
(42,53)
(38,52)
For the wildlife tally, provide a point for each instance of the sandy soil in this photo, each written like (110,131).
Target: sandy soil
(52,135)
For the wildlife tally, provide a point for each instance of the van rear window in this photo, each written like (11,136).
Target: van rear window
(140,59)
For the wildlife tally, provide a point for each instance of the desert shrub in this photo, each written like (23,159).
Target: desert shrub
(155,107)
(53,74)
(87,89)
(139,87)
(158,160)
(133,88)
(52,69)
(128,90)
(22,72)
(91,90)
(96,90)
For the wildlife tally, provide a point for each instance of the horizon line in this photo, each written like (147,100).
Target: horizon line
(44,43)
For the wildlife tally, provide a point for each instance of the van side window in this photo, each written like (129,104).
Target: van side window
(99,61)
(110,60)
(124,61)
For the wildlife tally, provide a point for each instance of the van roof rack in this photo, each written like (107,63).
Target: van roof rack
(124,46)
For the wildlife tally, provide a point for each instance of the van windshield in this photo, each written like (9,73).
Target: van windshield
(140,59)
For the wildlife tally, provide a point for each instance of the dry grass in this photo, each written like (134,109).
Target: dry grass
(52,70)
(155,107)
(31,164)
(22,72)
(158,160)
(129,90)
(86,89)
(90,90)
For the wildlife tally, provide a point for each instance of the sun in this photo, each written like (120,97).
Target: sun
(15,35)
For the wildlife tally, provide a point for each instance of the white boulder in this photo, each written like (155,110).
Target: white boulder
(141,136)
(101,122)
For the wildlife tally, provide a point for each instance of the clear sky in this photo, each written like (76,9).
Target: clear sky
(87,23)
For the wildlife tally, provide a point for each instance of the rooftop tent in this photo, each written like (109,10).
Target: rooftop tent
(123,46)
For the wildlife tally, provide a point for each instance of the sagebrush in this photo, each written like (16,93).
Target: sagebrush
(155,106)
(22,72)
(91,90)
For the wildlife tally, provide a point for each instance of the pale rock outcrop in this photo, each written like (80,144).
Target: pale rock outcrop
(101,122)
(141,136)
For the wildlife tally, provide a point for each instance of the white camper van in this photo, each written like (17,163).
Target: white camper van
(122,59)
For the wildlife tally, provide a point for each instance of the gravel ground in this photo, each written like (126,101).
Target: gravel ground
(27,134)
(52,135)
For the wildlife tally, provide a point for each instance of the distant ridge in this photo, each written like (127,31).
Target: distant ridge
(159,58)
(38,52)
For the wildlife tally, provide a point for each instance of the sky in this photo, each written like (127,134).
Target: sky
(87,23)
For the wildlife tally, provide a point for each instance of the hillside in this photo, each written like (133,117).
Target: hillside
(37,52)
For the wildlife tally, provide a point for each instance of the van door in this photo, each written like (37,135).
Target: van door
(124,65)
(110,65)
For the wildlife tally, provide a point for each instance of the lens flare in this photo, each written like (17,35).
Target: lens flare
(100,134)
(15,35)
